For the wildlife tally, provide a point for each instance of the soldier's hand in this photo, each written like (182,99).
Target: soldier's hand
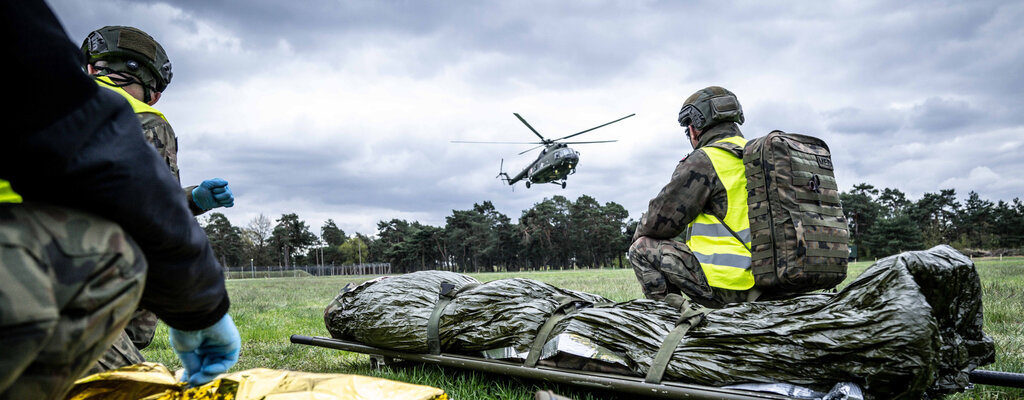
(213,193)
(208,352)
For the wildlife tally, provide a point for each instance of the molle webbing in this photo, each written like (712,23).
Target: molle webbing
(799,230)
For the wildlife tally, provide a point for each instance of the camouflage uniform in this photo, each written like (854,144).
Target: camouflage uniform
(70,281)
(662,261)
(159,133)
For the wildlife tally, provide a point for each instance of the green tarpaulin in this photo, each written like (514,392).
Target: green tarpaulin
(910,324)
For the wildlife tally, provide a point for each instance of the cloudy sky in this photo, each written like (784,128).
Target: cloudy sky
(346,109)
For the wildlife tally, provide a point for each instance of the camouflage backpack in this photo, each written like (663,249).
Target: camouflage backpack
(798,230)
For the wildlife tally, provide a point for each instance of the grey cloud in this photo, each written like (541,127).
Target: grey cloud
(789,116)
(876,80)
(861,121)
(549,49)
(941,115)
(336,175)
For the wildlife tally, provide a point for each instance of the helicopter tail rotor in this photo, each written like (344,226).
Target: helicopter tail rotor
(502,174)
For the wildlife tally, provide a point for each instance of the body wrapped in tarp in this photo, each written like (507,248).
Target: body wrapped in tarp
(394,312)
(910,324)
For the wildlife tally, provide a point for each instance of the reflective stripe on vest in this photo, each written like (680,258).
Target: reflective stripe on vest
(137,106)
(724,260)
(8,195)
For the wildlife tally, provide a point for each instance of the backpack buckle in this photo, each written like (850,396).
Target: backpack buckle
(814,184)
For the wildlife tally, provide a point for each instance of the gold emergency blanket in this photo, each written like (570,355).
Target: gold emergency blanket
(151,381)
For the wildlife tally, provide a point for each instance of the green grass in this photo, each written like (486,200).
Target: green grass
(295,273)
(268,311)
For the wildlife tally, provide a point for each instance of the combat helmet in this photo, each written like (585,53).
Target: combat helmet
(129,50)
(710,106)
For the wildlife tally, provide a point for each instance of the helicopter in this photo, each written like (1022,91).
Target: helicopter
(554,163)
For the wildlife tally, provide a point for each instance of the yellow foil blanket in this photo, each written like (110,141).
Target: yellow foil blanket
(151,381)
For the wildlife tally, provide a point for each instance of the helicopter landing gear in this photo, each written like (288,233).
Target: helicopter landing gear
(563,184)
(527,184)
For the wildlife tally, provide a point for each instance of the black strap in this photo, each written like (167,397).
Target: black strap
(446,296)
(566,306)
(689,318)
(734,234)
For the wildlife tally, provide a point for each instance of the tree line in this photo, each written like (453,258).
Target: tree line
(885,222)
(559,233)
(555,233)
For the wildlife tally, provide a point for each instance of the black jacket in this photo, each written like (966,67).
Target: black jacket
(70,144)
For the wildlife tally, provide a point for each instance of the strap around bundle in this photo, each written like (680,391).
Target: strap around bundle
(566,306)
(688,318)
(448,293)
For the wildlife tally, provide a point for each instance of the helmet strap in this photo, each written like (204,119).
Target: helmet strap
(119,80)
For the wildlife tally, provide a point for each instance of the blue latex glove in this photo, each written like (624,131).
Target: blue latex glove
(208,352)
(213,193)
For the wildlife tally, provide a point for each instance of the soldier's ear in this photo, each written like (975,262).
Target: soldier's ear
(155,98)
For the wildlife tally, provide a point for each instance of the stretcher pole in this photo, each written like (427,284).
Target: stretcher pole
(593,380)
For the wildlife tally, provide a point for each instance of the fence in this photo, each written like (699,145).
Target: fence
(307,270)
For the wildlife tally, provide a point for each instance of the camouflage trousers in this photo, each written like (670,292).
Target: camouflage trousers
(69,283)
(125,349)
(668,266)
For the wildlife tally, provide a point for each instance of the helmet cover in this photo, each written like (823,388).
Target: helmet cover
(130,50)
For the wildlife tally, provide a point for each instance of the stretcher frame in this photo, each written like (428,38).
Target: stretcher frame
(592,380)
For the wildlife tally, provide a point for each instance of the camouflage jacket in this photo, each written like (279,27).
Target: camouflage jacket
(694,189)
(70,150)
(160,134)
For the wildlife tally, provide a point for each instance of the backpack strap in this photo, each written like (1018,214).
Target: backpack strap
(734,234)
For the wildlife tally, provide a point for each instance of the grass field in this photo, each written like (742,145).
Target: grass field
(268,311)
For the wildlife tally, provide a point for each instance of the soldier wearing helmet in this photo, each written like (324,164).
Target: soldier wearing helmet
(131,63)
(101,229)
(688,241)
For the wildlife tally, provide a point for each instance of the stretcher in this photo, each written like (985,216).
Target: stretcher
(597,380)
(594,380)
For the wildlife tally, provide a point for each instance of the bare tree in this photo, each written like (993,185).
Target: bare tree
(257,235)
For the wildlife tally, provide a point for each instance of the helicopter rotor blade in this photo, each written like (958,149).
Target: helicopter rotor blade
(588,130)
(468,141)
(531,149)
(528,126)
(595,141)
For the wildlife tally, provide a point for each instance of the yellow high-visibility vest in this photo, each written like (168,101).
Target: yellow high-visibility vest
(8,195)
(724,259)
(138,106)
